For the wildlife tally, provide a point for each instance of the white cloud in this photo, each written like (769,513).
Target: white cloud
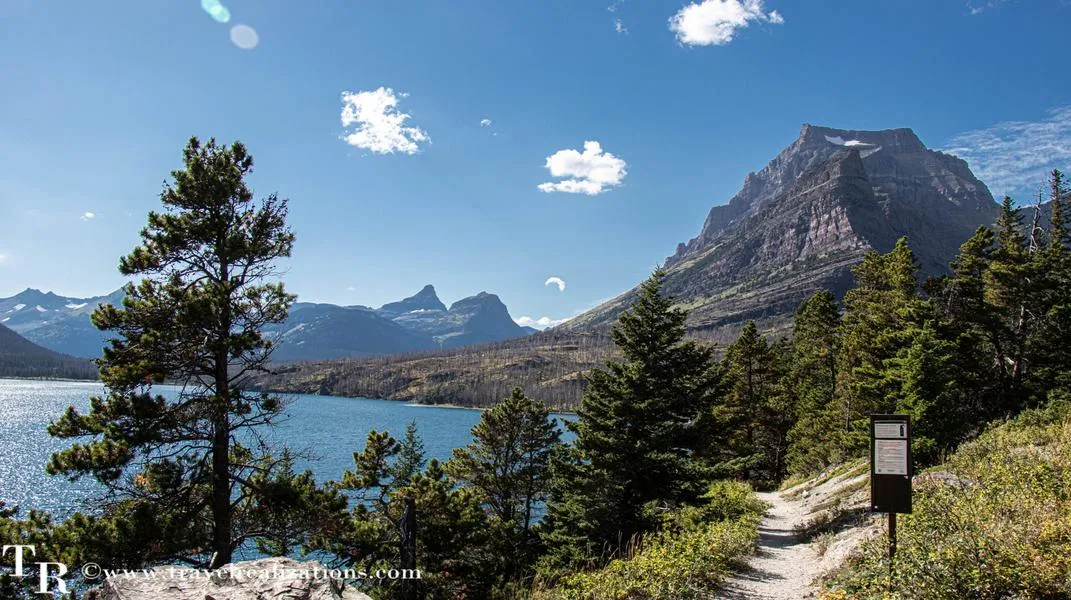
(558,281)
(619,26)
(245,37)
(1014,157)
(485,122)
(86,216)
(3,258)
(715,22)
(540,323)
(377,125)
(616,4)
(351,289)
(590,172)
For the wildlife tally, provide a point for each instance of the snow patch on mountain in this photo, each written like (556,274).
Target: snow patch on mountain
(76,306)
(18,307)
(839,141)
(41,308)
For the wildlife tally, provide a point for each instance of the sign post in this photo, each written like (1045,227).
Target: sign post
(890,470)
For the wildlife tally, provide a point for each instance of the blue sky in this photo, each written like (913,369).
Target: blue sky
(681,98)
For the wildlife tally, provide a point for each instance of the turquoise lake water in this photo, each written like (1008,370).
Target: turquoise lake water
(331,428)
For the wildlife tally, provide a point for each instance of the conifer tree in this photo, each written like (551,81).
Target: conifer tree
(754,413)
(411,457)
(1009,285)
(453,536)
(186,476)
(508,468)
(883,314)
(641,422)
(815,437)
(974,331)
(1047,341)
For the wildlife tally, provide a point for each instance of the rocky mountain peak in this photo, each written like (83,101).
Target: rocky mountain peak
(425,299)
(895,160)
(483,300)
(805,219)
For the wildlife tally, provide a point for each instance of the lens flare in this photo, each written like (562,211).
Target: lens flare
(216,10)
(245,37)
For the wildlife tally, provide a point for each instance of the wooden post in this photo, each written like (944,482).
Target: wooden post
(408,549)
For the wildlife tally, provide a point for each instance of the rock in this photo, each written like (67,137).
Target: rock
(264,579)
(943,478)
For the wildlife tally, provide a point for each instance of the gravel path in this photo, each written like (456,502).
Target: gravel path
(783,568)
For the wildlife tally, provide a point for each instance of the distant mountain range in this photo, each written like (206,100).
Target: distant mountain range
(312,331)
(798,225)
(20,357)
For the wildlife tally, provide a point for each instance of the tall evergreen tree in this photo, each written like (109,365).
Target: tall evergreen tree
(1047,342)
(640,424)
(185,475)
(883,314)
(508,467)
(974,330)
(754,413)
(815,437)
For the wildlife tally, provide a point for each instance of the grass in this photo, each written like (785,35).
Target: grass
(998,525)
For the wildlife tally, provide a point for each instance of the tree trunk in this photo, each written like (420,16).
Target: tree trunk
(222,536)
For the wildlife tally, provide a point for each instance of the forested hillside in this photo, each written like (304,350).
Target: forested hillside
(20,357)
(548,365)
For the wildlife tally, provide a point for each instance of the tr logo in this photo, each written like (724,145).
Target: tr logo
(44,570)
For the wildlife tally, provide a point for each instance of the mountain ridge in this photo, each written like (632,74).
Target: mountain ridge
(20,357)
(313,331)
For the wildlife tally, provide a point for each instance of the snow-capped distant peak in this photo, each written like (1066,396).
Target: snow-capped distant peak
(839,141)
(76,306)
(40,308)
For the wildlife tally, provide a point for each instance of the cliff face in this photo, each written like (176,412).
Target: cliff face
(805,219)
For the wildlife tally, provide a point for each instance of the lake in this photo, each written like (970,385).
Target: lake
(332,428)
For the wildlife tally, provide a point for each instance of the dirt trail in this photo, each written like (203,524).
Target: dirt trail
(785,567)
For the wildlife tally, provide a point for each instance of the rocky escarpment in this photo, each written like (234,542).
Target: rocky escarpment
(266,579)
(802,222)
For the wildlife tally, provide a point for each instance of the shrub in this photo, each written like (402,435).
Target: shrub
(687,560)
(998,527)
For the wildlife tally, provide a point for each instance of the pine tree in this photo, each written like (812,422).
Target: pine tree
(925,394)
(1009,288)
(754,414)
(641,422)
(181,476)
(975,334)
(454,539)
(411,457)
(882,315)
(815,437)
(508,468)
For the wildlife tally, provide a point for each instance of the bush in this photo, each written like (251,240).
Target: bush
(687,560)
(998,525)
